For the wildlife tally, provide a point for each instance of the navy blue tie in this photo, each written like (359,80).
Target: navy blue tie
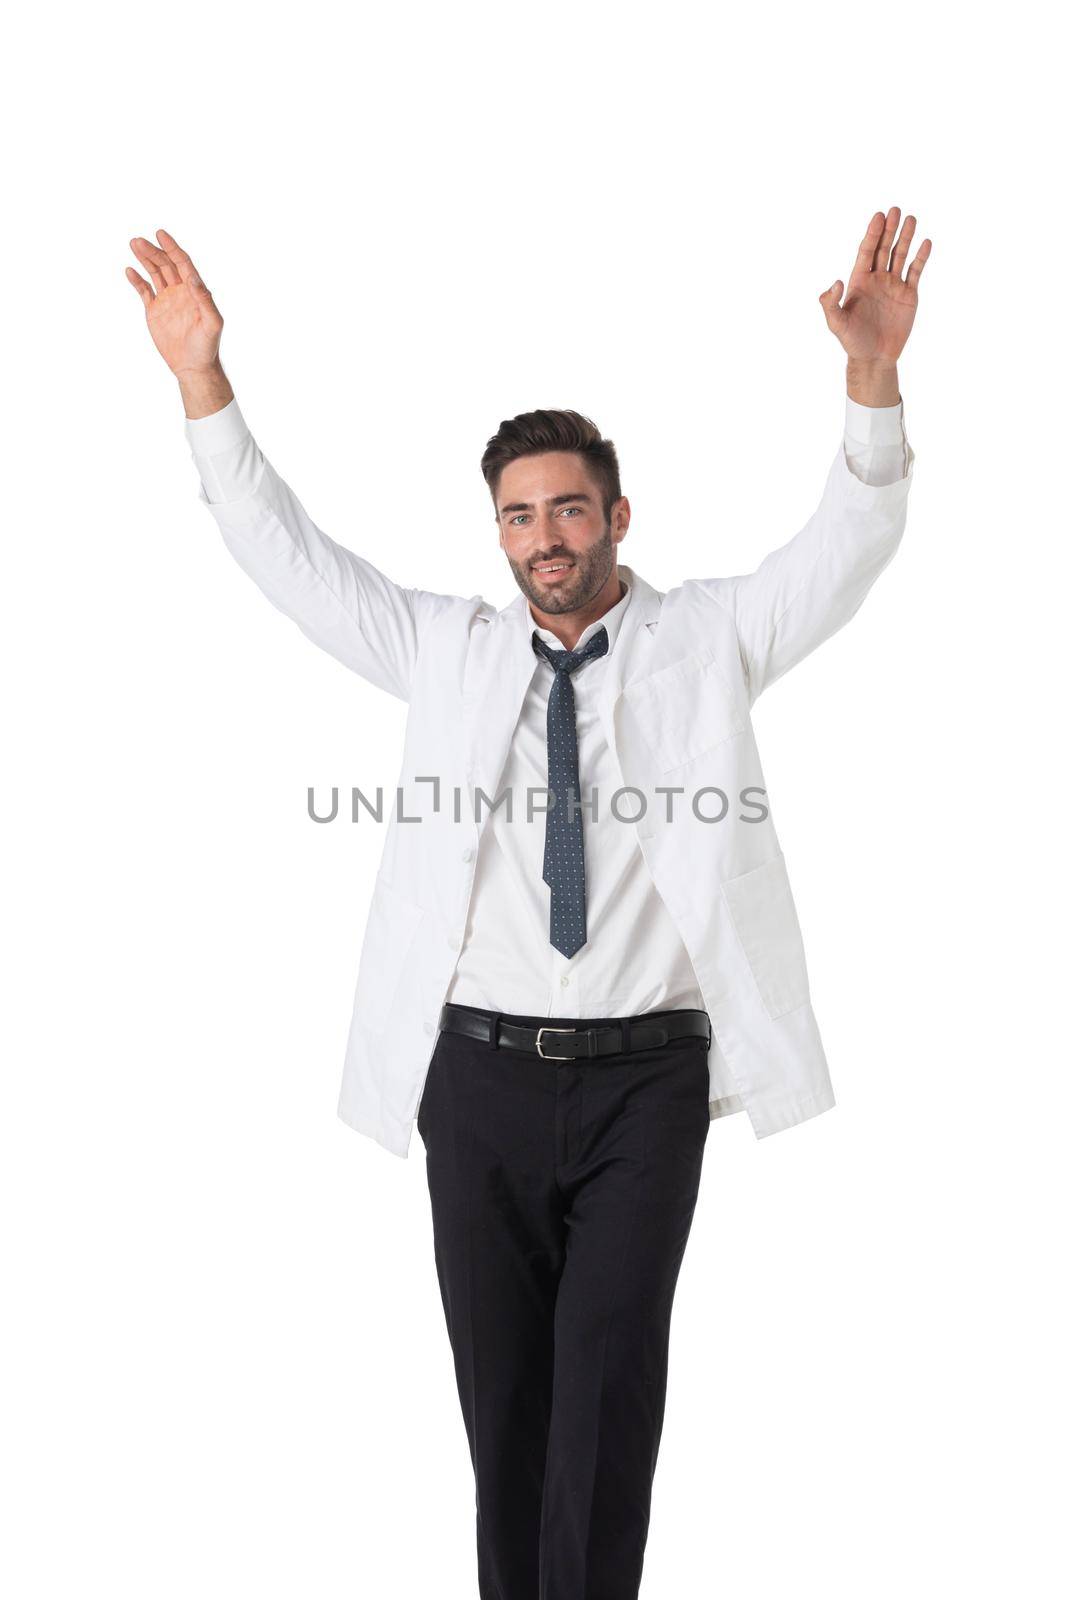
(564,866)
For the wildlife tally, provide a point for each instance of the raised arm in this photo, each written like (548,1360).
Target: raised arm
(338,599)
(803,592)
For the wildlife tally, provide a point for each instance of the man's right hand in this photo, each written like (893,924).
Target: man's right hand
(184,322)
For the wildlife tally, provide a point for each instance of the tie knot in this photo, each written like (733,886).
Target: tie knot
(569,660)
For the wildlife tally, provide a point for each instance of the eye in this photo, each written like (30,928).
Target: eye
(576,509)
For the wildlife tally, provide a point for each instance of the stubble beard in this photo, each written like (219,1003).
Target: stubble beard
(592,570)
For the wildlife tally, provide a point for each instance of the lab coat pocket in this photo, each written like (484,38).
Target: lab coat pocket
(684,710)
(765,920)
(392,923)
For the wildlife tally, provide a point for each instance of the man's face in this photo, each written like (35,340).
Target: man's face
(551,514)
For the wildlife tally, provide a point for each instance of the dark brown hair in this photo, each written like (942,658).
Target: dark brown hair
(534,433)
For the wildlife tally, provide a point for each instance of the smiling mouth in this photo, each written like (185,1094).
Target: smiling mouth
(553,566)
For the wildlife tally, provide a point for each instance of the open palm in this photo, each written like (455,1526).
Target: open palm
(182,317)
(875,318)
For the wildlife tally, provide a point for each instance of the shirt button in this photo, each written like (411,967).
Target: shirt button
(563,982)
(468,854)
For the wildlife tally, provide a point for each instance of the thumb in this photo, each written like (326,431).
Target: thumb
(830,301)
(202,295)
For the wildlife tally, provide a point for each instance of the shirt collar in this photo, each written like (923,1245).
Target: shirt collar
(610,622)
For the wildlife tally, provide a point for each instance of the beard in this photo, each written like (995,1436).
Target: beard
(583,583)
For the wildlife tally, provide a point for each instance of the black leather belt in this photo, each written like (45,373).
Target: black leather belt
(575,1043)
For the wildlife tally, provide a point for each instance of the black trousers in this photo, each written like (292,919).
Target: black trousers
(562,1195)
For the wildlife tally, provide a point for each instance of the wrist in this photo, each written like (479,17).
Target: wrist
(204,390)
(872,383)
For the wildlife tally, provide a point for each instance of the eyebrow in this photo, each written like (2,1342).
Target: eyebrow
(556,500)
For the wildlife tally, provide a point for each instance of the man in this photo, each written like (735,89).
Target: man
(582,945)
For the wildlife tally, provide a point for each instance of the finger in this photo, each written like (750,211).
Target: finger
(157,261)
(191,278)
(922,256)
(885,244)
(899,253)
(181,258)
(144,253)
(869,243)
(138,248)
(143,289)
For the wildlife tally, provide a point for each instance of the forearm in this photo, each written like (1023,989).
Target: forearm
(338,599)
(872,383)
(876,446)
(204,390)
(804,591)
(228,459)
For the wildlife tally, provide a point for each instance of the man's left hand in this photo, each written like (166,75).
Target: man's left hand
(874,320)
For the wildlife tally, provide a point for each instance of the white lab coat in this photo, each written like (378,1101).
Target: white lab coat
(675,702)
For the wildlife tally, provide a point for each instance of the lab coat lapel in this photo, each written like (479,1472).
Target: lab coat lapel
(632,652)
(501,662)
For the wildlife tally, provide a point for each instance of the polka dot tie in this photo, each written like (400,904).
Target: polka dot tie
(564,866)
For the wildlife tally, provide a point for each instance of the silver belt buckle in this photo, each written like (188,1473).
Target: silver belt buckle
(542,1053)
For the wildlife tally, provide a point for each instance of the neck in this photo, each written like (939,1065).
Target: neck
(569,626)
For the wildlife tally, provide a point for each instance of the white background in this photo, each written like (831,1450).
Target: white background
(226,1366)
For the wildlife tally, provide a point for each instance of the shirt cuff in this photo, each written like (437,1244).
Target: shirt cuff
(874,424)
(208,436)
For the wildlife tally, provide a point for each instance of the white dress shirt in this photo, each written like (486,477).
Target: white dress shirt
(633,959)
